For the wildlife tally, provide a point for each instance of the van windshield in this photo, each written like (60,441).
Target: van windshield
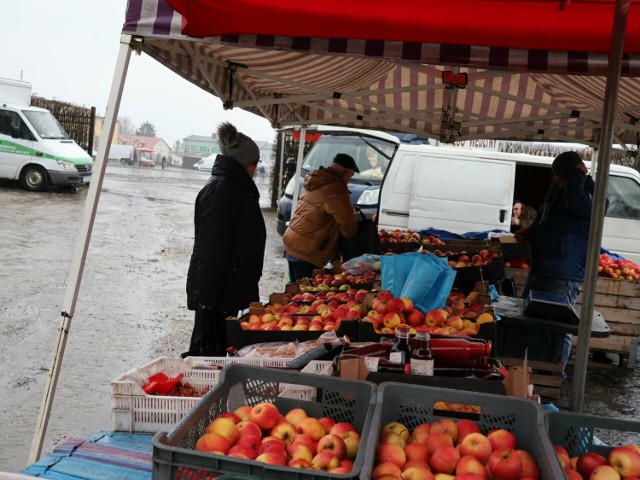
(45,124)
(372,155)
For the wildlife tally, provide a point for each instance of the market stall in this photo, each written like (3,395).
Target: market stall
(349,77)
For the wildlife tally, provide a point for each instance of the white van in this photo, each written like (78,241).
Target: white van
(205,164)
(464,190)
(34,148)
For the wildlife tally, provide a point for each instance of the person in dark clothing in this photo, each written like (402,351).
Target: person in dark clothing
(229,243)
(559,234)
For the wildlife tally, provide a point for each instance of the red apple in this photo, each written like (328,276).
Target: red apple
(604,472)
(213,443)
(231,415)
(469,464)
(225,427)
(626,461)
(299,450)
(295,416)
(265,415)
(444,459)
(385,295)
(417,473)
(325,461)
(352,443)
(395,305)
(312,427)
(392,454)
(271,458)
(416,451)
(561,449)
(501,439)
(465,427)
(476,445)
(327,423)
(386,469)
(284,431)
(299,463)
(334,444)
(587,463)
(445,425)
(248,428)
(435,440)
(421,433)
(505,464)
(529,467)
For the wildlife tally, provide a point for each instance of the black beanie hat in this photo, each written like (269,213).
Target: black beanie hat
(346,161)
(564,163)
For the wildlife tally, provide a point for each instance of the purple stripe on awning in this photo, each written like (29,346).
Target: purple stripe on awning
(460,54)
(538,60)
(374,48)
(265,40)
(132,15)
(578,62)
(411,51)
(164,15)
(499,57)
(301,43)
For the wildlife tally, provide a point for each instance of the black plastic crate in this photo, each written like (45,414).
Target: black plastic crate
(540,344)
(343,400)
(413,405)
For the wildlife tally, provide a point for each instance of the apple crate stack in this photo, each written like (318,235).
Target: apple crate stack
(458,433)
(619,303)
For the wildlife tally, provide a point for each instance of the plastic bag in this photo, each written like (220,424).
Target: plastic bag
(362,264)
(429,282)
(395,270)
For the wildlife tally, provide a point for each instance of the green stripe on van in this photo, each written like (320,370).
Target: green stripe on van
(17,149)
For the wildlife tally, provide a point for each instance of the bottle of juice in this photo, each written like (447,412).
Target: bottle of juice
(401,351)
(421,362)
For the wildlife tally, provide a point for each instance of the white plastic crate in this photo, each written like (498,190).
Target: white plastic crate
(301,392)
(132,410)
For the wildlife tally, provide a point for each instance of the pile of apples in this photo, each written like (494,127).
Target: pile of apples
(446,449)
(342,296)
(296,440)
(326,318)
(618,269)
(398,236)
(623,463)
(431,240)
(522,263)
(483,257)
(341,281)
(458,317)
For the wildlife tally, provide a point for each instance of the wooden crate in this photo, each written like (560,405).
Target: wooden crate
(545,376)
(619,303)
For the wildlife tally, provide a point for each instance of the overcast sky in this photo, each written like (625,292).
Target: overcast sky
(67,50)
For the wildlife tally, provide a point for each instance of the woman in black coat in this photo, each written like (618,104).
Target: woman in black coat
(228,251)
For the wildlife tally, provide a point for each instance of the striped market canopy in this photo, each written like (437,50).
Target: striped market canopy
(399,83)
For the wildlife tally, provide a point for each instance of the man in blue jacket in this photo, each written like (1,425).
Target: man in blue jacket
(559,235)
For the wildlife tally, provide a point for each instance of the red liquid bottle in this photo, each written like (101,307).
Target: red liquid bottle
(421,362)
(401,351)
(459,351)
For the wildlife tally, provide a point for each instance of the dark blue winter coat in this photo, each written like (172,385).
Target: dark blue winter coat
(230,236)
(560,231)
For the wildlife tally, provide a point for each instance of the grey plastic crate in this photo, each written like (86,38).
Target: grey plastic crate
(340,399)
(580,433)
(413,405)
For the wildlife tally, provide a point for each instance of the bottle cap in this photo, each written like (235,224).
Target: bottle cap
(402,326)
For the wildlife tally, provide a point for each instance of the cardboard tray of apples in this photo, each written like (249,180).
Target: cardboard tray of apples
(584,456)
(243,427)
(427,432)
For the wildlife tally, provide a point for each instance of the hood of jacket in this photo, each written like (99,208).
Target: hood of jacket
(321,177)
(229,167)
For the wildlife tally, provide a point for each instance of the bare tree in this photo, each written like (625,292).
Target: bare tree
(127,127)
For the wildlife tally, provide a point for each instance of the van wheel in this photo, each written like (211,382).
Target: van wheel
(34,178)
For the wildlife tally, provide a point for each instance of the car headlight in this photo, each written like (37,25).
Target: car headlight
(369,196)
(290,186)
(66,165)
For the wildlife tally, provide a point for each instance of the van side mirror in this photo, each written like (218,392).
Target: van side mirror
(15,132)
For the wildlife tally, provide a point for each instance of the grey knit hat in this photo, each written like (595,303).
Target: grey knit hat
(237,145)
(564,163)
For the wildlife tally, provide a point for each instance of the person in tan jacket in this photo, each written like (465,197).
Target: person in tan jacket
(323,213)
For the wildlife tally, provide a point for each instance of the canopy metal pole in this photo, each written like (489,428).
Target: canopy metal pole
(599,204)
(282,160)
(82,245)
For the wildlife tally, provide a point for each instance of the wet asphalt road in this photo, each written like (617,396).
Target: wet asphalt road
(131,307)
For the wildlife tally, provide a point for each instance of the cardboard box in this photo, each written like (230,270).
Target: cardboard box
(518,381)
(352,367)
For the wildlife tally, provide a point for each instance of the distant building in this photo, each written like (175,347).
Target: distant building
(97,132)
(150,147)
(197,147)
